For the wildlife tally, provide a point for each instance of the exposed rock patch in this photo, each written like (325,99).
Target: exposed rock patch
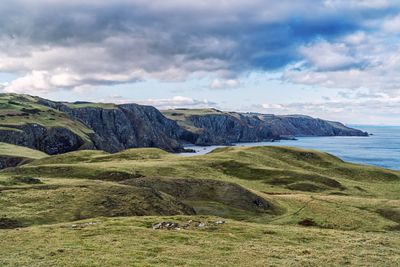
(53,140)
(191,224)
(308,222)
(7,223)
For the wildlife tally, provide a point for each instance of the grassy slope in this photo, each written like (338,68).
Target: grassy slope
(181,116)
(16,110)
(345,201)
(130,242)
(13,155)
(9,150)
(92,105)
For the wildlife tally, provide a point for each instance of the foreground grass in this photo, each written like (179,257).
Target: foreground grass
(297,185)
(132,242)
(265,194)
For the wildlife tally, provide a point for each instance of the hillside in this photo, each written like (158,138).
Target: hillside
(12,155)
(57,127)
(293,201)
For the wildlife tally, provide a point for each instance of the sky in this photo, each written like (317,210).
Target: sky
(332,59)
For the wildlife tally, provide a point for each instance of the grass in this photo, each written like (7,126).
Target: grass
(266,195)
(9,150)
(131,242)
(92,105)
(181,116)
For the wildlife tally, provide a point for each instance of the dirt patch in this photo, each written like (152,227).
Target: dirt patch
(27,180)
(360,189)
(308,187)
(119,176)
(7,223)
(392,214)
(308,222)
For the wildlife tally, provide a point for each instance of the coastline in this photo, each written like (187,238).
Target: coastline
(381,149)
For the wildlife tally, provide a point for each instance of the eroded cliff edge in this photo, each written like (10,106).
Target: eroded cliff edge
(57,127)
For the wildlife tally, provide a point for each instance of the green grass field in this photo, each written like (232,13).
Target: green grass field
(10,150)
(282,206)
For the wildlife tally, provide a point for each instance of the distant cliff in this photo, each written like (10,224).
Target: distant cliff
(214,127)
(56,127)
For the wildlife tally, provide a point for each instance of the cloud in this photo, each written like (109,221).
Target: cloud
(359,106)
(352,62)
(168,103)
(224,84)
(64,44)
(325,56)
(392,24)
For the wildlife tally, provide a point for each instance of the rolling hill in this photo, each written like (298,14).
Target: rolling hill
(276,205)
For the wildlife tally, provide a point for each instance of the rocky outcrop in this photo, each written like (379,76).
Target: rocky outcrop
(228,128)
(127,126)
(51,140)
(7,162)
(219,129)
(299,125)
(56,127)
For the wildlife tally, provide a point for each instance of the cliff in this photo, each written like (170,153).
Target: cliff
(57,127)
(214,127)
(127,126)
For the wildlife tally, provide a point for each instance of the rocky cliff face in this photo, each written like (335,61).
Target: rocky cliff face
(55,127)
(228,128)
(127,126)
(51,140)
(298,125)
(221,129)
(6,162)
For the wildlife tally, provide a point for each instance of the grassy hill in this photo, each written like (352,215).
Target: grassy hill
(18,110)
(9,150)
(281,205)
(12,155)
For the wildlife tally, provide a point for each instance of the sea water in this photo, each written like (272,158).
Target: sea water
(381,149)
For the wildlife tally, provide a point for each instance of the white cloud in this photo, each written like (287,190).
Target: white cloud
(392,24)
(169,103)
(356,38)
(112,42)
(325,56)
(377,4)
(224,84)
(272,106)
(360,106)
(371,64)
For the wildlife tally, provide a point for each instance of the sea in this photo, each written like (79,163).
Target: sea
(381,149)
